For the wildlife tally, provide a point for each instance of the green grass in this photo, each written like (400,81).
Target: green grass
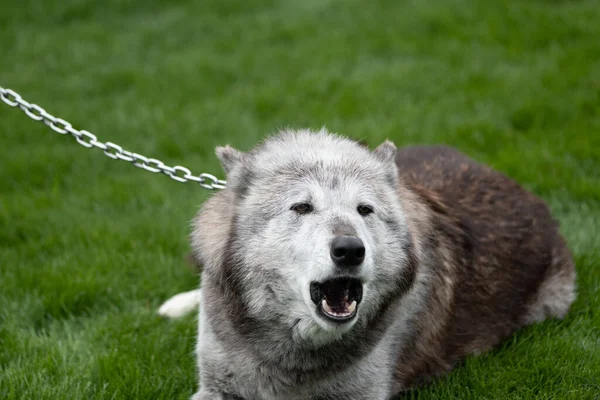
(90,247)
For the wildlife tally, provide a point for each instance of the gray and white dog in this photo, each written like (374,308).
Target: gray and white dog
(334,272)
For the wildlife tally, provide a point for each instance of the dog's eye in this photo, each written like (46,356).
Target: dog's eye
(364,210)
(302,208)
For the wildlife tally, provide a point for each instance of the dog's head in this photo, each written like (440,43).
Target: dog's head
(317,237)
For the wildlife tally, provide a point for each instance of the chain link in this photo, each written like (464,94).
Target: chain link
(114,151)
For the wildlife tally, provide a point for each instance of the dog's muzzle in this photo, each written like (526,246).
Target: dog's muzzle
(337,299)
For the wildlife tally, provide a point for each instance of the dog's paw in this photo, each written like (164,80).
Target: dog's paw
(180,304)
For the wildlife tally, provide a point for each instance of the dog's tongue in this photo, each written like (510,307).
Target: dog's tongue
(336,298)
(341,310)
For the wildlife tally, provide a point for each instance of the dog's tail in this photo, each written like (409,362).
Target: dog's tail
(183,303)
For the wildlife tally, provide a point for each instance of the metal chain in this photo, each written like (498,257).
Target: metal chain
(114,151)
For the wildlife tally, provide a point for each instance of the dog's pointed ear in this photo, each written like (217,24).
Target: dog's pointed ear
(230,158)
(386,151)
(236,166)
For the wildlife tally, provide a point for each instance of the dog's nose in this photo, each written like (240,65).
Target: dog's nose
(347,251)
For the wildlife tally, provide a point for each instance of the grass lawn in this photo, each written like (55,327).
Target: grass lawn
(90,247)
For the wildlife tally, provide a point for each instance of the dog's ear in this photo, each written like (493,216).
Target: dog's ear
(235,163)
(230,158)
(386,151)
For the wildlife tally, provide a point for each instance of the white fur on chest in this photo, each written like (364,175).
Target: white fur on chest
(237,372)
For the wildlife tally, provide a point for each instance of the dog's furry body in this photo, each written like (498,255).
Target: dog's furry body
(458,257)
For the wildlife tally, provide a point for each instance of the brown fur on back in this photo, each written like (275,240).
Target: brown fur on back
(494,245)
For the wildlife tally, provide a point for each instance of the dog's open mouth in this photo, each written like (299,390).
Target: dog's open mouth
(337,299)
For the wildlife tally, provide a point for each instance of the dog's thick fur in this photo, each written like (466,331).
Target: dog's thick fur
(458,257)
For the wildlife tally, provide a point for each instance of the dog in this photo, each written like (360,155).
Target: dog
(332,271)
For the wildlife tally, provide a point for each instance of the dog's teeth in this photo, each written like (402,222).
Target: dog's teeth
(352,307)
(328,310)
(326,307)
